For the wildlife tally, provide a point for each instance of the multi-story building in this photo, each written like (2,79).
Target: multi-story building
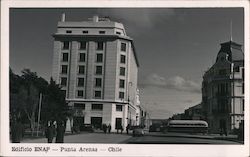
(223,89)
(96,65)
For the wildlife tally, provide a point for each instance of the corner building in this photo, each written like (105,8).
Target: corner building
(223,90)
(96,65)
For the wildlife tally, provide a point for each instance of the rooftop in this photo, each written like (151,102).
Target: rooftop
(233,49)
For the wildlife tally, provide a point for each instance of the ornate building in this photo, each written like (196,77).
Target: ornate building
(223,89)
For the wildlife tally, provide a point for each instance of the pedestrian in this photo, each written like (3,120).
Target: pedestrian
(17,131)
(104,126)
(127,128)
(50,132)
(121,128)
(109,128)
(60,132)
(225,130)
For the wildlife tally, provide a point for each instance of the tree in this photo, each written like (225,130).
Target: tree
(15,108)
(29,95)
(54,106)
(24,92)
(24,98)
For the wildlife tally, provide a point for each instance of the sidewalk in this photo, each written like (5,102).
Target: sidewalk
(86,137)
(186,135)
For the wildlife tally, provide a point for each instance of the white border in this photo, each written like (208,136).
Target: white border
(128,150)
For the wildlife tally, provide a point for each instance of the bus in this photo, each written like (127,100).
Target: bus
(188,126)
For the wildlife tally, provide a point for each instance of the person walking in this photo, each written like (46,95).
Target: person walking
(60,132)
(109,128)
(105,128)
(121,128)
(127,128)
(17,131)
(50,132)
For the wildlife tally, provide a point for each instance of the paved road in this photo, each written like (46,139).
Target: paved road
(149,138)
(87,138)
(175,140)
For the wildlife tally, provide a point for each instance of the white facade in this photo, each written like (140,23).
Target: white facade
(95,63)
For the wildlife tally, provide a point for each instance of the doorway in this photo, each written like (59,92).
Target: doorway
(96,122)
(118,123)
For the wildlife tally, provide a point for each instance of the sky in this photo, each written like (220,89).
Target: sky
(175,46)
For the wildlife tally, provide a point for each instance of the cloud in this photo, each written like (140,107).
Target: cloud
(157,110)
(143,18)
(176,83)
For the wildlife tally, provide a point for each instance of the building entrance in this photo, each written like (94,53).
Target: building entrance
(96,122)
(118,123)
(78,121)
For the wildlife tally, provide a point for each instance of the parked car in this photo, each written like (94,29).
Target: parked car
(87,127)
(138,131)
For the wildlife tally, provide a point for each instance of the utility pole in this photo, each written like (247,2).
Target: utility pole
(39,113)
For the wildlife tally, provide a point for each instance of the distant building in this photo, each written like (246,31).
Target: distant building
(178,116)
(194,113)
(96,65)
(223,89)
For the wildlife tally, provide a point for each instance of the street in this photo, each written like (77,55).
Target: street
(86,138)
(175,140)
(148,138)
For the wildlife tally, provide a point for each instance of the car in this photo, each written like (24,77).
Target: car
(138,131)
(87,127)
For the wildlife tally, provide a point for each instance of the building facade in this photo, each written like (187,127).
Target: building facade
(223,89)
(194,112)
(96,65)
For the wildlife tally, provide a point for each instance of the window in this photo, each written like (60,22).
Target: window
(243,73)
(65,57)
(101,32)
(122,83)
(85,32)
(68,31)
(98,94)
(98,107)
(80,93)
(81,69)
(237,69)
(79,105)
(99,45)
(118,107)
(121,95)
(123,59)
(98,70)
(66,45)
(64,69)
(82,57)
(64,81)
(122,71)
(123,47)
(119,33)
(243,105)
(243,88)
(80,82)
(98,82)
(83,45)
(99,58)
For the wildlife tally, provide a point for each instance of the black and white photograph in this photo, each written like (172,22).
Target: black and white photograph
(126,77)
